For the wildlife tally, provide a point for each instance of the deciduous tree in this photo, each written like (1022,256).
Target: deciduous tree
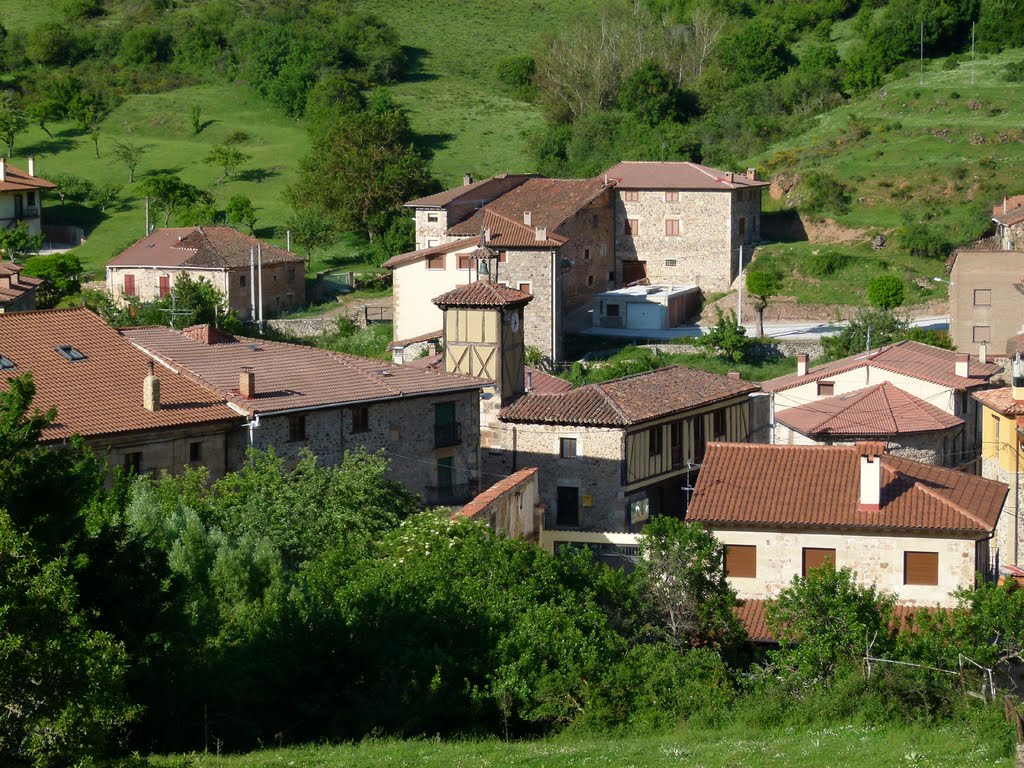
(13,119)
(130,154)
(227,157)
(170,194)
(763,285)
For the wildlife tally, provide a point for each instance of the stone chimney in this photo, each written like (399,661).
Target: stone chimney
(528,218)
(151,390)
(752,174)
(962,365)
(1018,378)
(983,353)
(247,383)
(3,169)
(801,364)
(32,166)
(735,375)
(541,233)
(729,176)
(870,458)
(467,179)
(1004,204)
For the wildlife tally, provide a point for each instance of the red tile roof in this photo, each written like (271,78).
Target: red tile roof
(102,394)
(198,247)
(1014,345)
(476,189)
(18,180)
(883,409)
(752,615)
(483,293)
(1010,211)
(629,400)
(422,253)
(789,486)
(432,336)
(1000,400)
(492,494)
(20,284)
(910,358)
(631,174)
(290,376)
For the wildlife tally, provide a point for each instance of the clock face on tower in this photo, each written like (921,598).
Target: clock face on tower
(514,322)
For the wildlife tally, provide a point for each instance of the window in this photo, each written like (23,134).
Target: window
(296,427)
(676,443)
(360,419)
(436,261)
(241,280)
(982,297)
(921,568)
(129,285)
(291,274)
(672,227)
(700,440)
(567,511)
(590,279)
(30,198)
(718,425)
(630,195)
(431,243)
(165,286)
(815,558)
(743,226)
(670,262)
(982,333)
(586,254)
(655,441)
(502,257)
(594,221)
(432,218)
(133,462)
(632,227)
(525,288)
(70,353)
(826,388)
(6,363)
(611,277)
(446,429)
(613,310)
(464,261)
(741,561)
(671,197)
(567,447)
(195,451)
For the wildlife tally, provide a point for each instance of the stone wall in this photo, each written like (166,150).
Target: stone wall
(757,351)
(926,447)
(169,450)
(305,326)
(876,559)
(510,507)
(1007,551)
(430,232)
(591,248)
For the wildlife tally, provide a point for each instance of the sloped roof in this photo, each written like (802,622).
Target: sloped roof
(534,378)
(290,376)
(910,358)
(1000,400)
(441,199)
(198,247)
(1015,344)
(422,253)
(796,486)
(1010,211)
(101,394)
(629,400)
(752,614)
(24,284)
(18,180)
(883,409)
(483,293)
(633,174)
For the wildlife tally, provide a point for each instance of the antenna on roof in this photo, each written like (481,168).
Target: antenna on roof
(174,312)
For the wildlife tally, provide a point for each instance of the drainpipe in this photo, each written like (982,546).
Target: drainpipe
(252,424)
(252,286)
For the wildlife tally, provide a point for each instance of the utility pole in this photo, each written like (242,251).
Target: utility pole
(922,53)
(259,266)
(252,285)
(972,53)
(739,294)
(147,215)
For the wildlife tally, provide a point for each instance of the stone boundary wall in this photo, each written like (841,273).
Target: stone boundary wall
(510,506)
(306,326)
(757,351)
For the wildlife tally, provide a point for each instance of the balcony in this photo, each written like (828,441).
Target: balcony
(446,435)
(449,495)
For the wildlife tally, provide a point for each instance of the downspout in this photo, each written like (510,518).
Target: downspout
(1016,505)
(555,304)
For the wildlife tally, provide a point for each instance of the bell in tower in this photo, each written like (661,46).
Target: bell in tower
(485,258)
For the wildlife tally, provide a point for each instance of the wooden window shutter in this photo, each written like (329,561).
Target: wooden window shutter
(921,568)
(815,558)
(741,561)
(436,261)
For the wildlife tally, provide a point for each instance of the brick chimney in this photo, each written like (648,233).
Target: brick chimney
(247,383)
(528,218)
(467,179)
(735,375)
(32,166)
(870,458)
(962,365)
(541,233)
(801,364)
(752,174)
(151,390)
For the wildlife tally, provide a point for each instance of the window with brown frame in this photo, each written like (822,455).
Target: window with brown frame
(502,257)
(983,297)
(815,557)
(982,333)
(165,286)
(671,197)
(632,227)
(436,261)
(826,388)
(741,561)
(464,261)
(567,447)
(586,254)
(921,568)
(630,195)
(525,288)
(672,227)
(129,285)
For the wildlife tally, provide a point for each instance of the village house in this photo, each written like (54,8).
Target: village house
(914,530)
(17,291)
(21,196)
(552,238)
(680,223)
(986,304)
(256,279)
(842,397)
(295,398)
(1008,217)
(143,417)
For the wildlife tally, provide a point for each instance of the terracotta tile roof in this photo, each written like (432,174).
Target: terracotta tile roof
(883,409)
(1000,400)
(18,180)
(492,494)
(631,174)
(422,253)
(198,247)
(1014,345)
(290,376)
(551,202)
(910,358)
(751,614)
(629,400)
(483,293)
(102,394)
(476,189)
(790,486)
(433,336)
(540,381)
(20,284)
(1010,211)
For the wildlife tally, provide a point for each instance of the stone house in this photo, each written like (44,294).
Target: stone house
(553,239)
(918,531)
(1009,221)
(682,223)
(17,291)
(295,398)
(21,196)
(257,279)
(933,377)
(142,417)
(986,305)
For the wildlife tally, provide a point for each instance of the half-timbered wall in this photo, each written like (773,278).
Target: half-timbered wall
(471,337)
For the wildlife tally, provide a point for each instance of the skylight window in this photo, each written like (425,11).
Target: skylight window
(70,353)
(6,363)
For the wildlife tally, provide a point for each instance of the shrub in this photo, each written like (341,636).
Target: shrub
(1014,72)
(146,45)
(726,338)
(885,291)
(825,263)
(516,71)
(824,193)
(924,240)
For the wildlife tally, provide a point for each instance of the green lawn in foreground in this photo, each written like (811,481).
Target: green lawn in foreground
(840,746)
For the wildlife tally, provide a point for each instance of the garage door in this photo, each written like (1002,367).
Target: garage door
(644,316)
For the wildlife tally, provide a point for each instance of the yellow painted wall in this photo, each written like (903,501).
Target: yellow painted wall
(998,438)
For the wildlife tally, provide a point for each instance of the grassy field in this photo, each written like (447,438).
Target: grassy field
(845,746)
